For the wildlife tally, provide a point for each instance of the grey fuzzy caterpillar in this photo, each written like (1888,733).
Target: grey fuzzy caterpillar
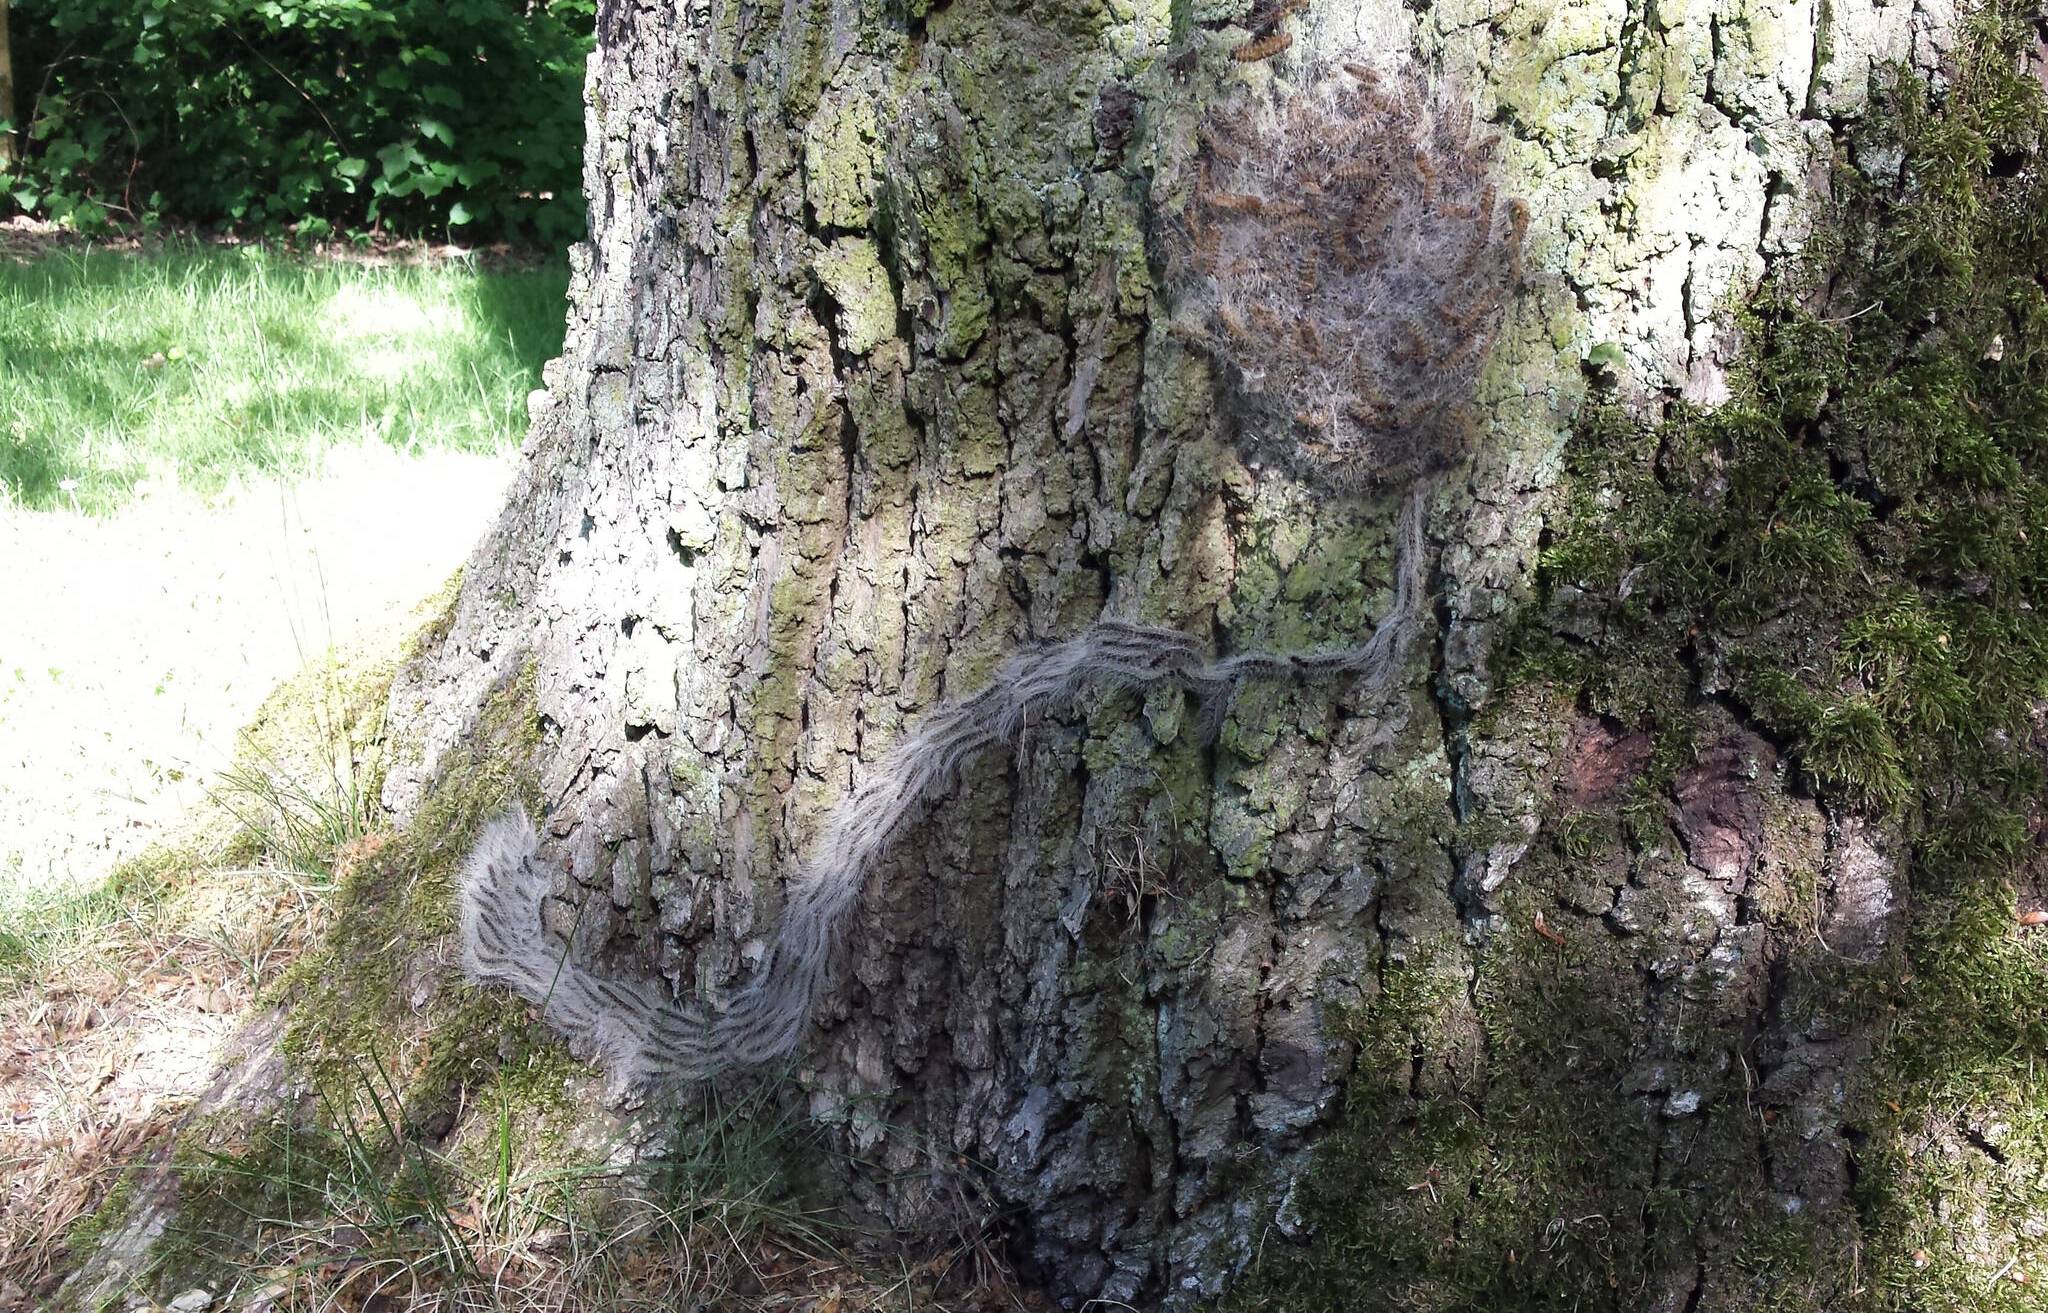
(645,1038)
(498,908)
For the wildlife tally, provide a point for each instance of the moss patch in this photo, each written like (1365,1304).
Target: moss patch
(1850,549)
(1846,558)
(344,996)
(1552,1130)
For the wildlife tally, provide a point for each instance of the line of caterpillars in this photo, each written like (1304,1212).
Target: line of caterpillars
(1267,39)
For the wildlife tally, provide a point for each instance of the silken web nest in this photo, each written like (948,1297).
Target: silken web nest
(1348,260)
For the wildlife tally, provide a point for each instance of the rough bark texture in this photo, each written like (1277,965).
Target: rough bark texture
(870,380)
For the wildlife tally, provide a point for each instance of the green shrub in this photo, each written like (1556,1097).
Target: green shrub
(416,116)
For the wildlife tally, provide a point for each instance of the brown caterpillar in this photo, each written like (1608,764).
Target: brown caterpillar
(1265,47)
(1419,414)
(1465,351)
(1294,223)
(1426,172)
(1356,172)
(1235,202)
(1414,348)
(1462,320)
(1477,247)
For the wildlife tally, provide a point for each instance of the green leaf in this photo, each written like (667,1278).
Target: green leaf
(459,213)
(399,158)
(179,109)
(435,179)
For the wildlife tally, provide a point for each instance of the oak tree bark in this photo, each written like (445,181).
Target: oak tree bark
(871,379)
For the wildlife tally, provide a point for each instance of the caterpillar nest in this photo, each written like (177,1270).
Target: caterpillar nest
(1348,257)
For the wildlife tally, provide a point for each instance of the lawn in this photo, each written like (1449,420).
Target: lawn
(195,364)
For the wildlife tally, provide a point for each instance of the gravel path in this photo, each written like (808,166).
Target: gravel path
(133,649)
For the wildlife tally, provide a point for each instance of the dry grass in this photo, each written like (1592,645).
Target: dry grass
(114,1031)
(638,1254)
(114,1023)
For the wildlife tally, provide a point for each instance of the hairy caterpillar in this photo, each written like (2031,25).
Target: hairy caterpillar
(1233,202)
(1265,47)
(645,1038)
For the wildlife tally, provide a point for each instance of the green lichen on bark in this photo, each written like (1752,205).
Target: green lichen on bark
(852,272)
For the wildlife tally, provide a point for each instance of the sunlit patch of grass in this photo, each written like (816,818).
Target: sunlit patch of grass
(196,364)
(116,999)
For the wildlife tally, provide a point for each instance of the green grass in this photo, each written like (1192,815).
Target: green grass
(198,364)
(497,1219)
(38,925)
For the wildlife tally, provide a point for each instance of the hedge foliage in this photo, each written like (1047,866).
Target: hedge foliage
(408,116)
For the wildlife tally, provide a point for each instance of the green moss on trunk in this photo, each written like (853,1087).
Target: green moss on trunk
(1851,556)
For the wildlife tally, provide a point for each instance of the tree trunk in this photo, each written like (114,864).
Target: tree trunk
(7,148)
(873,381)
